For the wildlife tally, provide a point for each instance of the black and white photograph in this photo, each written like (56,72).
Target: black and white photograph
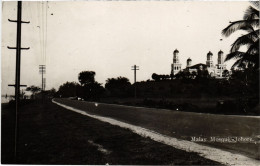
(130,82)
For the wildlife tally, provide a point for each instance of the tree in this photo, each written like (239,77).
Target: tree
(68,89)
(51,93)
(118,86)
(225,73)
(193,74)
(165,77)
(155,77)
(89,89)
(33,89)
(86,77)
(185,74)
(158,77)
(249,24)
(92,91)
(203,74)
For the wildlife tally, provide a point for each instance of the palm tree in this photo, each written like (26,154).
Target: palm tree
(249,24)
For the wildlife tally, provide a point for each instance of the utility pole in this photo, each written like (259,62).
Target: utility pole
(44,83)
(42,70)
(18,66)
(135,68)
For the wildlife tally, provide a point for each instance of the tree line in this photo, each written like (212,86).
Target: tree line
(89,89)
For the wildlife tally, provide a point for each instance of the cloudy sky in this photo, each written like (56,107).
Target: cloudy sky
(110,37)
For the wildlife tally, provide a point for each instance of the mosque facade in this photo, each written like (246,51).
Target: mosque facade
(213,70)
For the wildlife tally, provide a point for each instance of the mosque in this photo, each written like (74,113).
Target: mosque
(214,70)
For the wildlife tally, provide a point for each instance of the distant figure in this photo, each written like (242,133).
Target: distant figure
(6,96)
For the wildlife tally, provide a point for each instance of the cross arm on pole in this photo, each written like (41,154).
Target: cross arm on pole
(26,22)
(135,67)
(14,85)
(16,48)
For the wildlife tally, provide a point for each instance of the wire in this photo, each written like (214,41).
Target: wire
(43,34)
(40,27)
(42,19)
(46,23)
(46,35)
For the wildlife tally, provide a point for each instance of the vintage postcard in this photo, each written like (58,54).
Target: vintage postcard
(130,82)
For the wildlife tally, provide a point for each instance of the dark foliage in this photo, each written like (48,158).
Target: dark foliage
(92,91)
(88,89)
(119,86)
(33,89)
(86,77)
(240,83)
(158,77)
(68,89)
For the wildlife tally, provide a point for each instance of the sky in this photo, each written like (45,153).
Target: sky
(110,37)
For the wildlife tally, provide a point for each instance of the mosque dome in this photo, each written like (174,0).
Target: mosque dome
(209,53)
(220,52)
(176,51)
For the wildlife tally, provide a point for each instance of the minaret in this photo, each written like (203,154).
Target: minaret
(209,61)
(189,62)
(220,57)
(221,66)
(176,66)
(175,56)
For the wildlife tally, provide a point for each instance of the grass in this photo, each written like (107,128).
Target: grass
(49,134)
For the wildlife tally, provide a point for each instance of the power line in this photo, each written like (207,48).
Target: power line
(46,26)
(40,29)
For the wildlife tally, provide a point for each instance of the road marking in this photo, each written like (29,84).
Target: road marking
(214,154)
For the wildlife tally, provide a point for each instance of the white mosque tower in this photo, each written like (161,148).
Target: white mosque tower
(220,65)
(176,66)
(209,61)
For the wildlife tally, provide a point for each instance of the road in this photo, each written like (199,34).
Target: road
(183,125)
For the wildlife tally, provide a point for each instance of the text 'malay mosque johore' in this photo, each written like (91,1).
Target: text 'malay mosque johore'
(214,70)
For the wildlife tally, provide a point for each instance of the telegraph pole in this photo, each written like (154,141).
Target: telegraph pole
(42,70)
(44,83)
(135,68)
(18,66)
